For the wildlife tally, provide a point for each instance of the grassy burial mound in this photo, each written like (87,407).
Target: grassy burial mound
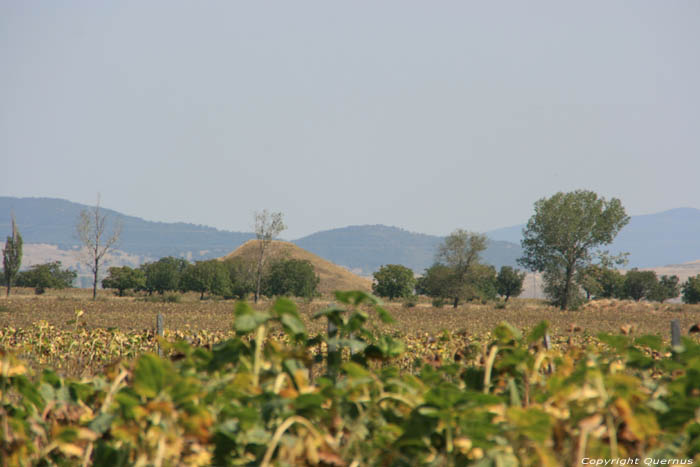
(333,277)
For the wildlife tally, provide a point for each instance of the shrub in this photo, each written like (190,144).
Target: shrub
(410,301)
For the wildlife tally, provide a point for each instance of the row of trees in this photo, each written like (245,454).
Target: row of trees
(457,274)
(237,277)
(43,276)
(602,282)
(562,240)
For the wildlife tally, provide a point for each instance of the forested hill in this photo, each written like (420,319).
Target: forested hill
(52,221)
(364,248)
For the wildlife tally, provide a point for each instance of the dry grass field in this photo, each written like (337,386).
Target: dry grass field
(58,308)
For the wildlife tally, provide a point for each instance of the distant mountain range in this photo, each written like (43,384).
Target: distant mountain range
(365,248)
(52,221)
(670,237)
(652,240)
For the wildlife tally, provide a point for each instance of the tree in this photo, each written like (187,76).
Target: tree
(589,278)
(560,237)
(436,282)
(460,252)
(12,256)
(668,287)
(124,278)
(691,290)
(295,277)
(206,277)
(267,227)
(510,282)
(393,281)
(46,276)
(92,232)
(241,272)
(611,283)
(164,275)
(639,284)
(482,283)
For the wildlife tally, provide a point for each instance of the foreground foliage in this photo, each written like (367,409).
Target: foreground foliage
(271,394)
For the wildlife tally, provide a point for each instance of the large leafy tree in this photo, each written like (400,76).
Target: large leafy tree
(393,281)
(561,237)
(12,256)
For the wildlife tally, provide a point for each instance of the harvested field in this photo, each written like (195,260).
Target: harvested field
(134,314)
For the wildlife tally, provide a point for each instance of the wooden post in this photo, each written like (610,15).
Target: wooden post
(334,356)
(547,343)
(675,333)
(159,331)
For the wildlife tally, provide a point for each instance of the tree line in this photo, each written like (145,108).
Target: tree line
(233,278)
(562,241)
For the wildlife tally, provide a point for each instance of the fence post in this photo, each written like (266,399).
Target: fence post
(334,356)
(159,331)
(675,333)
(547,343)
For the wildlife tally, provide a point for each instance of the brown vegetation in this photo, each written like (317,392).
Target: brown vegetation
(133,313)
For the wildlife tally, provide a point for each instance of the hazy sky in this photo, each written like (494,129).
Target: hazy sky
(424,115)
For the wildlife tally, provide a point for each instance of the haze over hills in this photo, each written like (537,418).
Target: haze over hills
(365,248)
(52,221)
(48,225)
(660,239)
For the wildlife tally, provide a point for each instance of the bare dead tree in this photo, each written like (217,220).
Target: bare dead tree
(97,242)
(267,227)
